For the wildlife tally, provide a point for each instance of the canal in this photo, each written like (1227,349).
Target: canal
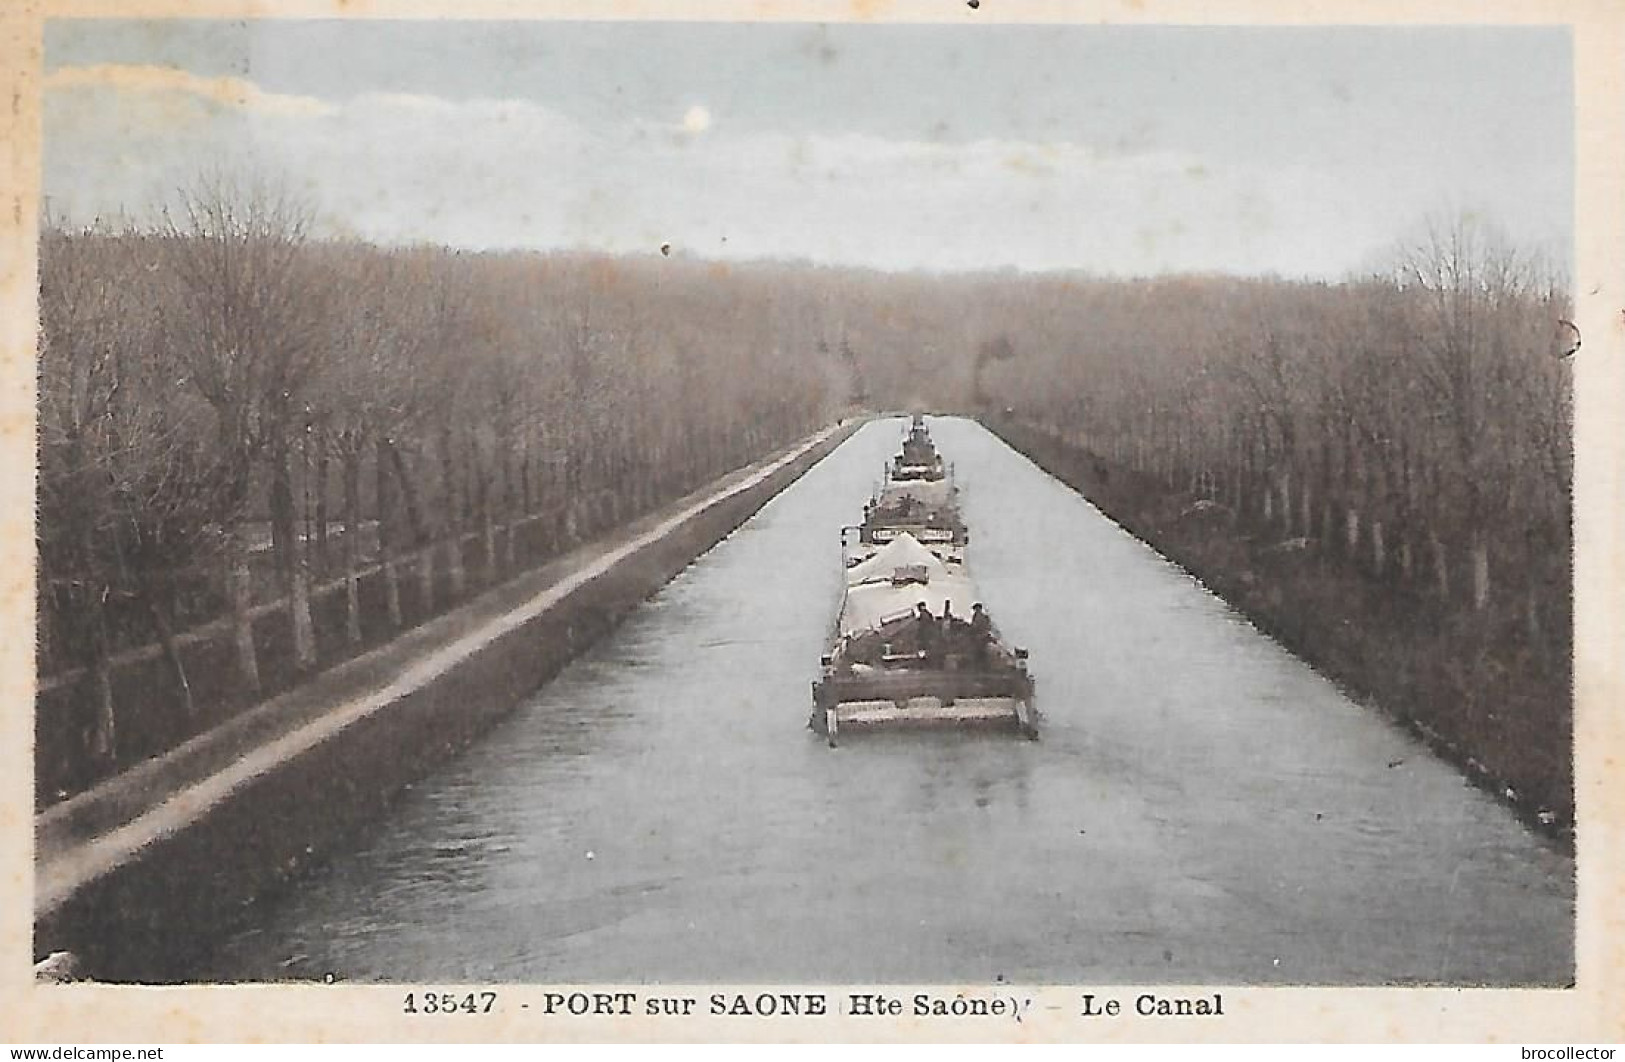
(1203,807)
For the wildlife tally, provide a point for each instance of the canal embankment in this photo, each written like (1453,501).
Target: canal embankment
(1487,697)
(180,847)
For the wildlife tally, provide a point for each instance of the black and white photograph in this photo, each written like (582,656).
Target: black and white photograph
(837,506)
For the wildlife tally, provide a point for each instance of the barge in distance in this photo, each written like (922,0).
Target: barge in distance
(912,644)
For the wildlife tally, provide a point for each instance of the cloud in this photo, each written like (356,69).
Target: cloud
(501,173)
(225,91)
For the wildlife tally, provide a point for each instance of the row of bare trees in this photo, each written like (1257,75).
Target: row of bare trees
(1417,423)
(232,412)
(1378,469)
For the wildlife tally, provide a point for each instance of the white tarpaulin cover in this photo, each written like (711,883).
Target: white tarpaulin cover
(904,551)
(872,599)
(872,604)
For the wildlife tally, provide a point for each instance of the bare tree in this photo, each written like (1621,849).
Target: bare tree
(243,325)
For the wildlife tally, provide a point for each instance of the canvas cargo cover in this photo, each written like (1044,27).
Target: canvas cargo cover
(872,598)
(904,551)
(870,605)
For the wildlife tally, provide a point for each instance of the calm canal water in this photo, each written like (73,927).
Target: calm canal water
(1203,807)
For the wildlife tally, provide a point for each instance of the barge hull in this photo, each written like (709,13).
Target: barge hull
(922,700)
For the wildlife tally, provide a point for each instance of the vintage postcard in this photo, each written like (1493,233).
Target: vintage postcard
(978,520)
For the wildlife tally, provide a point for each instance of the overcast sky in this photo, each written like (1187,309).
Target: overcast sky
(1120,150)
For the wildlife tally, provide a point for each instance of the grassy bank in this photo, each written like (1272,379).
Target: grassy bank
(1485,691)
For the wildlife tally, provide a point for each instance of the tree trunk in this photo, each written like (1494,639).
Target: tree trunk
(1481,573)
(392,592)
(1327,493)
(451,518)
(156,598)
(104,735)
(526,502)
(384,497)
(426,580)
(409,494)
(304,631)
(352,545)
(321,502)
(477,490)
(307,532)
(240,589)
(293,574)
(284,527)
(507,490)
(1441,565)
(385,504)
(493,566)
(572,522)
(454,565)
(1238,473)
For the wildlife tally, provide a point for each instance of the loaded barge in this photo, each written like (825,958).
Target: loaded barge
(913,645)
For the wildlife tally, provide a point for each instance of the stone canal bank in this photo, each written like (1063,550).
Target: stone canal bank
(161,859)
